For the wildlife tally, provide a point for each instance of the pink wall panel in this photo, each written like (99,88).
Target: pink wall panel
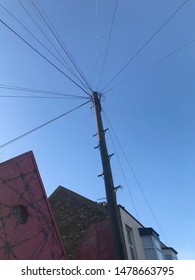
(27,227)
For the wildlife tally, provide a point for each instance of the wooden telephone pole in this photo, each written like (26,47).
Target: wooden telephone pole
(113,210)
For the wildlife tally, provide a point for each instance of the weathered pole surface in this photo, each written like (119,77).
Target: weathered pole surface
(113,210)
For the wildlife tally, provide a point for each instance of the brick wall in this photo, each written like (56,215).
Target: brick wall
(74,214)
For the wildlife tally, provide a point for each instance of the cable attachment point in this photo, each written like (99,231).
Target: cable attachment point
(117,188)
(106,130)
(97,147)
(110,156)
(101,175)
(95,135)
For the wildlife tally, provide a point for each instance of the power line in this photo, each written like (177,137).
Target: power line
(60,42)
(33,97)
(136,179)
(44,57)
(108,43)
(39,40)
(30,15)
(33,34)
(122,170)
(48,39)
(42,16)
(8,87)
(40,126)
(151,65)
(147,42)
(97,37)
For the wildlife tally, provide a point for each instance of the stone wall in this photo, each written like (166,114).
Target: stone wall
(74,214)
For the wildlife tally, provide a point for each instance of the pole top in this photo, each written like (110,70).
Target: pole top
(96,96)
(97,93)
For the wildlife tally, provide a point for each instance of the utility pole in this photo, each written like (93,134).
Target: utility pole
(113,210)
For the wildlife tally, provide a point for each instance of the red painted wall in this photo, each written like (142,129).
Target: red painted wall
(27,227)
(97,243)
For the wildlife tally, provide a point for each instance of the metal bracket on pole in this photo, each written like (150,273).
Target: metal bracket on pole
(110,156)
(117,188)
(101,175)
(105,130)
(97,147)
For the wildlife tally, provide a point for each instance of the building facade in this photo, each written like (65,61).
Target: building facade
(86,231)
(65,226)
(84,226)
(143,243)
(27,227)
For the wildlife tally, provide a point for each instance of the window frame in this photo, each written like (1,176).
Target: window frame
(155,246)
(130,242)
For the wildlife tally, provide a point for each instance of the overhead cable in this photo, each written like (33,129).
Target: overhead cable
(43,45)
(151,65)
(8,87)
(122,170)
(97,45)
(44,34)
(63,61)
(136,179)
(35,97)
(108,43)
(60,42)
(147,42)
(41,126)
(44,57)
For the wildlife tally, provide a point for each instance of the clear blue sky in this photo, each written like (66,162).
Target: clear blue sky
(152,114)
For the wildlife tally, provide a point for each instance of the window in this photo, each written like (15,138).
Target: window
(168,257)
(150,254)
(158,249)
(21,214)
(149,250)
(130,243)
(169,253)
(152,248)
